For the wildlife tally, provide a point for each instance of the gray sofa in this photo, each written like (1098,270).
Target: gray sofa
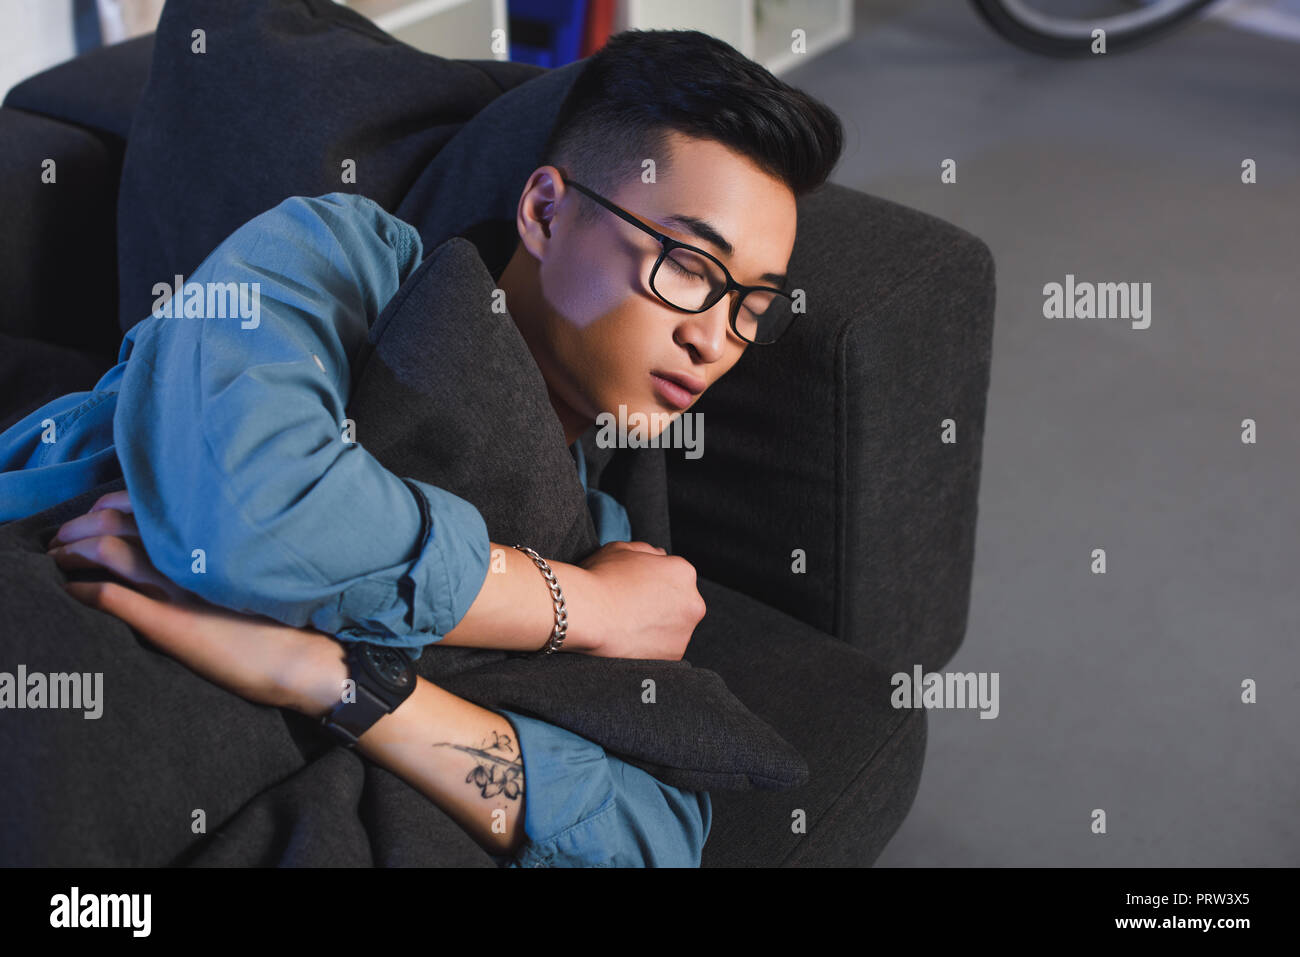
(829,444)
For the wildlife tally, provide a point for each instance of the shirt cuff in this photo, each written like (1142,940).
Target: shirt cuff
(568,798)
(453,562)
(583,808)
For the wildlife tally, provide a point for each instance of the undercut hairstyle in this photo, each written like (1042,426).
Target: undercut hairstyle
(645,83)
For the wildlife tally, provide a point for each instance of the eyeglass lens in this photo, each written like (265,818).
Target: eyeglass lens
(691,281)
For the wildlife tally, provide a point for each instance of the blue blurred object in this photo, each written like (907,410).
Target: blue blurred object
(546,32)
(85,25)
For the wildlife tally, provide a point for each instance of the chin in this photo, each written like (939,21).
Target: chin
(648,418)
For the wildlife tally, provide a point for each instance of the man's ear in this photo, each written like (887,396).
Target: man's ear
(537,208)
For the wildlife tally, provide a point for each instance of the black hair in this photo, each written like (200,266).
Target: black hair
(644,83)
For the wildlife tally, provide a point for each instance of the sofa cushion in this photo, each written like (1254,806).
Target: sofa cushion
(450,395)
(285,92)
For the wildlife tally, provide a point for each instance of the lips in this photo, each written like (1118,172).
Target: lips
(691,384)
(671,392)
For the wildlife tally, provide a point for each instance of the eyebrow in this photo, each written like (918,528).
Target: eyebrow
(705,230)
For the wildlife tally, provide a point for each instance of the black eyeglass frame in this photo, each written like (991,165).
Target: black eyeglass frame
(668,244)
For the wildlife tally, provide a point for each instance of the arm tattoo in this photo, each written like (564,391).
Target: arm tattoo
(499,769)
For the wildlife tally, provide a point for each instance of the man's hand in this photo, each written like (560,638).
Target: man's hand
(255,657)
(645,603)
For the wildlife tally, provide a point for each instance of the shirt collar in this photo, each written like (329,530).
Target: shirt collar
(580,458)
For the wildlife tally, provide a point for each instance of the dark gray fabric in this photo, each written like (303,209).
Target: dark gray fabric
(830,441)
(450,395)
(122,789)
(32,373)
(638,480)
(97,90)
(831,702)
(287,90)
(471,188)
(53,231)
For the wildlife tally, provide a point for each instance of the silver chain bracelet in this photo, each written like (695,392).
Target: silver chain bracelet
(557,596)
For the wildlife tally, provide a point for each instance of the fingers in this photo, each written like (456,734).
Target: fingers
(115,500)
(98,521)
(124,557)
(109,597)
(156,620)
(642,547)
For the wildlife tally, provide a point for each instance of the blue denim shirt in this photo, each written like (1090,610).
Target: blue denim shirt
(227,432)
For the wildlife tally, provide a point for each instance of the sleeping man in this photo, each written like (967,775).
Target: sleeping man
(629,290)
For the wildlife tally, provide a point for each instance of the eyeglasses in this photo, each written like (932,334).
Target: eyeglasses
(687,278)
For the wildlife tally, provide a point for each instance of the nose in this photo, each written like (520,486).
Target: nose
(705,333)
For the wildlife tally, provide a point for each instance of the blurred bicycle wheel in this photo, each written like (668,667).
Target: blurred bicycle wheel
(1064,28)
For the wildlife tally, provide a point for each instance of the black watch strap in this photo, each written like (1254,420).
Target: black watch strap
(384,678)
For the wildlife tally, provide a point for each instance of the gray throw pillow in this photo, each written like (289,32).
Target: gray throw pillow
(448,393)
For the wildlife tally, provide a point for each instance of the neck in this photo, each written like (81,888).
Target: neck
(523,299)
(572,423)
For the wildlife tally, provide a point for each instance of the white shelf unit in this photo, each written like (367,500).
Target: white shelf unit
(760,29)
(457,29)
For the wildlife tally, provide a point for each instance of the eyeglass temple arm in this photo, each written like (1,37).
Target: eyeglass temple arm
(665,239)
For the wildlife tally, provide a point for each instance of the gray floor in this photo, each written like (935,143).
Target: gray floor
(1118,691)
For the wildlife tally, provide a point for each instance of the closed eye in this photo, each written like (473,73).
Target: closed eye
(677,267)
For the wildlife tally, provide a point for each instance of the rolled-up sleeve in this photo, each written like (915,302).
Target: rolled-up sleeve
(230,434)
(584,808)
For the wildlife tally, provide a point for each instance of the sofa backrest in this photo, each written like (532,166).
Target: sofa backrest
(287,98)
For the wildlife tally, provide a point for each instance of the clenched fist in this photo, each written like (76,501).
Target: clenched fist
(644,603)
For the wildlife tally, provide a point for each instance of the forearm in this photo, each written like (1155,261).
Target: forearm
(464,758)
(514,610)
(595,810)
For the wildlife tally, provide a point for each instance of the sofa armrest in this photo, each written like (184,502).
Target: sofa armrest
(58,266)
(58,245)
(98,90)
(831,441)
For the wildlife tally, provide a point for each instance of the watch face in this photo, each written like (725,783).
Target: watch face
(389,664)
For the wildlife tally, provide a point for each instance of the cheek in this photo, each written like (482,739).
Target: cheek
(583,325)
(591,281)
(608,338)
(615,362)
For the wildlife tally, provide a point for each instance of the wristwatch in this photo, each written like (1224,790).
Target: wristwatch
(384,678)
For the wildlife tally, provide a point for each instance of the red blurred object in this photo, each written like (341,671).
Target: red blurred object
(600,20)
